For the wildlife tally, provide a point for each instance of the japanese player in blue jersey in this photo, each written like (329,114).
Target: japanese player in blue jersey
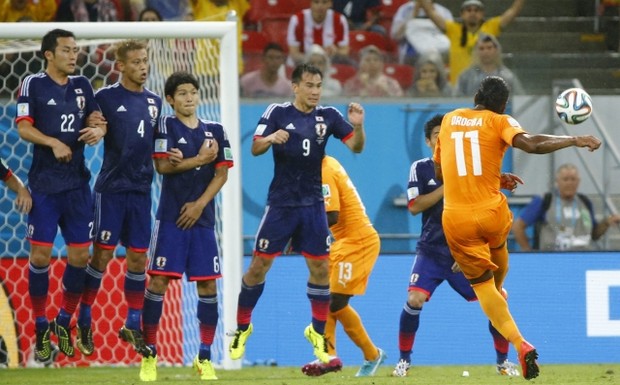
(122,193)
(23,201)
(297,133)
(194,156)
(434,263)
(58,113)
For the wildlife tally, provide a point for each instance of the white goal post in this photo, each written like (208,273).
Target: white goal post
(228,90)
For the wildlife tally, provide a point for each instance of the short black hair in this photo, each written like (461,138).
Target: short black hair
(493,94)
(50,40)
(176,79)
(302,69)
(432,123)
(274,47)
(149,9)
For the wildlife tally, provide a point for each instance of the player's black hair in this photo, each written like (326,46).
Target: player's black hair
(272,47)
(178,78)
(152,10)
(432,123)
(50,40)
(302,69)
(492,94)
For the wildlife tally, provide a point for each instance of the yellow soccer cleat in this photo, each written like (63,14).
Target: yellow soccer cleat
(148,369)
(237,347)
(204,369)
(318,344)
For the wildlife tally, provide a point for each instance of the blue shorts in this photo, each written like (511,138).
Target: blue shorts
(427,274)
(175,251)
(71,210)
(124,216)
(305,227)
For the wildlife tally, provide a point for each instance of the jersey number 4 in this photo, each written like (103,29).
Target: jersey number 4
(459,150)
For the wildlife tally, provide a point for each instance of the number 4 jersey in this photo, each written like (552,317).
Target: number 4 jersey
(59,111)
(469,139)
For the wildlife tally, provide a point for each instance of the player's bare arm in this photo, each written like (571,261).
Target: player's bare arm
(31,134)
(23,202)
(509,15)
(429,9)
(191,211)
(355,114)
(175,162)
(96,128)
(261,145)
(425,201)
(544,144)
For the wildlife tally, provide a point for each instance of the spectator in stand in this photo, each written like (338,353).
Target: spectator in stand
(94,10)
(430,78)
(408,20)
(219,10)
(19,10)
(463,35)
(170,10)
(563,219)
(320,25)
(370,80)
(149,14)
(362,15)
(319,58)
(487,61)
(267,81)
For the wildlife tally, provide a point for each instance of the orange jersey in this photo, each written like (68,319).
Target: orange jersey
(340,195)
(470,149)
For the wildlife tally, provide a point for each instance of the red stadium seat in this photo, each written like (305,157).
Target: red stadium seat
(275,29)
(389,7)
(342,72)
(360,39)
(401,72)
(274,8)
(253,41)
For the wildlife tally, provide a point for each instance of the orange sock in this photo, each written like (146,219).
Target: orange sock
(330,334)
(496,309)
(352,325)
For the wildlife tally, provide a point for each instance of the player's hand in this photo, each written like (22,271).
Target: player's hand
(96,119)
(509,181)
(456,268)
(278,137)
(190,212)
(23,203)
(91,135)
(208,152)
(589,141)
(355,114)
(62,152)
(175,156)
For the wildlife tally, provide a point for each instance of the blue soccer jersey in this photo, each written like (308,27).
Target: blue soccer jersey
(58,111)
(5,171)
(297,163)
(180,188)
(132,118)
(422,181)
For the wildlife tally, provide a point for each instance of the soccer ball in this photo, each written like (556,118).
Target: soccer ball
(574,106)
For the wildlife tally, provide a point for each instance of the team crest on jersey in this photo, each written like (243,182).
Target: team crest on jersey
(263,244)
(327,193)
(81,103)
(414,278)
(153,113)
(160,262)
(105,236)
(321,130)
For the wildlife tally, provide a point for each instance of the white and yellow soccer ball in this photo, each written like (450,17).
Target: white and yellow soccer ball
(573,106)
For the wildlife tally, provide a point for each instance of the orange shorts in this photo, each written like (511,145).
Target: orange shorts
(351,261)
(471,233)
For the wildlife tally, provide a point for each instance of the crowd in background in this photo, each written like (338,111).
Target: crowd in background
(374,48)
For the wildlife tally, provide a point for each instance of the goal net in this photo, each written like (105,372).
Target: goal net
(209,51)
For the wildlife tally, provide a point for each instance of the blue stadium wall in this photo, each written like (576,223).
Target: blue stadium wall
(566,304)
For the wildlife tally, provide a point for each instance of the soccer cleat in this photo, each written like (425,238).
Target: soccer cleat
(84,340)
(369,368)
(318,343)
(205,369)
(148,368)
(507,368)
(45,351)
(317,368)
(134,337)
(401,369)
(237,346)
(65,342)
(527,358)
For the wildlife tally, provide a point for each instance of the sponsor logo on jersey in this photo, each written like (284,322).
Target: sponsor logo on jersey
(290,126)
(182,141)
(432,182)
(121,109)
(51,102)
